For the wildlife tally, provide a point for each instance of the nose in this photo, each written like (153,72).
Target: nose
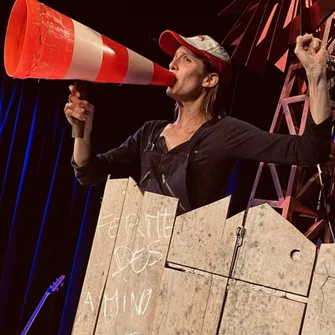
(173,65)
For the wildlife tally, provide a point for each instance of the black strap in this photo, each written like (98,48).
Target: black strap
(154,135)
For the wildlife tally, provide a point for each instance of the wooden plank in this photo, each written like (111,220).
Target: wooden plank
(100,257)
(203,239)
(274,253)
(253,310)
(214,305)
(320,313)
(189,303)
(137,265)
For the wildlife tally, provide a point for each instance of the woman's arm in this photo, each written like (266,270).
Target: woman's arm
(312,54)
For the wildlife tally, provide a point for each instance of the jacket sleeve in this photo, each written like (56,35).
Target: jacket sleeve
(249,142)
(120,162)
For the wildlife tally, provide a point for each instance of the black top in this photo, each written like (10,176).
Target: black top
(211,154)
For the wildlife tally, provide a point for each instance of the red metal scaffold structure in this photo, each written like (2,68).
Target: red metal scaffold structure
(268,29)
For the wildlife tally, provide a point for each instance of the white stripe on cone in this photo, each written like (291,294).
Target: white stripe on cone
(140,70)
(87,54)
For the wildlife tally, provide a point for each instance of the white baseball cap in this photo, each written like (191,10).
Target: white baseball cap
(202,45)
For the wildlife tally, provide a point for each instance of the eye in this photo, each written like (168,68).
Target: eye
(187,59)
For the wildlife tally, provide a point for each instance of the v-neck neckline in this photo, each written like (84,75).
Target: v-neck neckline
(163,138)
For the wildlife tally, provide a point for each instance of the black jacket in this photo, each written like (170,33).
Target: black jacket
(198,170)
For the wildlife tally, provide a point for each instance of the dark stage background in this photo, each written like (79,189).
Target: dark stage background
(47,220)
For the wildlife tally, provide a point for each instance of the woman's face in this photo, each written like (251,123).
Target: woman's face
(190,76)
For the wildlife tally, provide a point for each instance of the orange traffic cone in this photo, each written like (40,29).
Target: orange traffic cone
(45,44)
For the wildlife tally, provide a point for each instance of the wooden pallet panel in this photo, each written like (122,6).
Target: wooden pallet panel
(137,266)
(203,239)
(274,253)
(100,257)
(189,303)
(320,313)
(256,310)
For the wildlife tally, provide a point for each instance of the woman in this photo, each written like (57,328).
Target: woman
(192,157)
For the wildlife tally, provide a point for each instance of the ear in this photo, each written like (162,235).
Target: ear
(210,80)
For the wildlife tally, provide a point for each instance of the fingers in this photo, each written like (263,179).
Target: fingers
(86,105)
(315,45)
(308,43)
(74,98)
(78,109)
(71,110)
(302,41)
(74,91)
(75,95)
(81,111)
(81,103)
(83,107)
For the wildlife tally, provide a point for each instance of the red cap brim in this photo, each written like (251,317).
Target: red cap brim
(170,41)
